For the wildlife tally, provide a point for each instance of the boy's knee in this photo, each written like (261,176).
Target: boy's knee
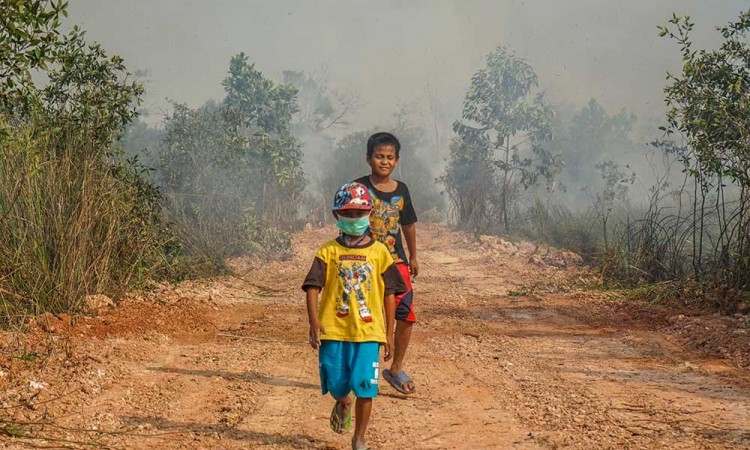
(403,325)
(344,400)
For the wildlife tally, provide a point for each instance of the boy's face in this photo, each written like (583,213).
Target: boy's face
(352,213)
(383,160)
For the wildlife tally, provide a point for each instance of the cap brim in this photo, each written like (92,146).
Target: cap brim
(355,207)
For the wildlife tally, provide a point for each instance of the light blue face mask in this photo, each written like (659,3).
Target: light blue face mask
(353,226)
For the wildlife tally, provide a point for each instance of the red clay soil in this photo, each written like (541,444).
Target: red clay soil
(508,353)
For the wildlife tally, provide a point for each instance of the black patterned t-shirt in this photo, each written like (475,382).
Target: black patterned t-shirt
(391,210)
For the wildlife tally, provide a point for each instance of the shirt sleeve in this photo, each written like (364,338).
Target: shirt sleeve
(407,216)
(394,282)
(316,277)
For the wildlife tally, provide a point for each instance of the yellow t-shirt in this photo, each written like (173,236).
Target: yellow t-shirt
(351,304)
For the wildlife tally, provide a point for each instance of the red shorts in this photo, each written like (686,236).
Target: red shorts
(405,301)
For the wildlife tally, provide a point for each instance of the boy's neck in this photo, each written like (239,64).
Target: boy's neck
(376,179)
(356,241)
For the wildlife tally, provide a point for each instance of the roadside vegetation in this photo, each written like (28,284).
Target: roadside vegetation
(94,200)
(519,166)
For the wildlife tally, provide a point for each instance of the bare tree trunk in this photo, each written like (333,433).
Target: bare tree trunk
(506,170)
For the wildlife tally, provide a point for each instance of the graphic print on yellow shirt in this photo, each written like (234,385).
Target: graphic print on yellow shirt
(356,280)
(351,304)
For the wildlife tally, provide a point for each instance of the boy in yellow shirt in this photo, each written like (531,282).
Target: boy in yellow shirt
(356,314)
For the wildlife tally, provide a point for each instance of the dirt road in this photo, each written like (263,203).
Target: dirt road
(503,358)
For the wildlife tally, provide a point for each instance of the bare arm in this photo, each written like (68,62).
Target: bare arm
(312,316)
(390,322)
(410,236)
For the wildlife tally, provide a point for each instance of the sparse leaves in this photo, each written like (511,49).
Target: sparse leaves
(709,102)
(500,141)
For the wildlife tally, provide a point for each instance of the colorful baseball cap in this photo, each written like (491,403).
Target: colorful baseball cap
(352,196)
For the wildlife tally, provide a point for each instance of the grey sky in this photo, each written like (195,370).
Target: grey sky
(390,51)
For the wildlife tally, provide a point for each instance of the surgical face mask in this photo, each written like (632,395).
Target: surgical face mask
(353,226)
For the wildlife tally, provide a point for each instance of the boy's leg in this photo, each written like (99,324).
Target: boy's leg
(362,410)
(401,343)
(334,378)
(405,319)
(365,370)
(342,411)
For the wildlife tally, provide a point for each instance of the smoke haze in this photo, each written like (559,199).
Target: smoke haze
(396,52)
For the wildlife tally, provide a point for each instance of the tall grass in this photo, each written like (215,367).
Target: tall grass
(213,228)
(72,223)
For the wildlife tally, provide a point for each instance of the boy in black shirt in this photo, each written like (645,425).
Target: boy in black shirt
(393,213)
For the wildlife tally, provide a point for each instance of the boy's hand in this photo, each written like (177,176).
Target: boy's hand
(387,349)
(314,335)
(413,267)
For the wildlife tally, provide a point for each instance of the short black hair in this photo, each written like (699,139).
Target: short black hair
(382,139)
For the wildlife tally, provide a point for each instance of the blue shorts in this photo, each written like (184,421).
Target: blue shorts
(349,366)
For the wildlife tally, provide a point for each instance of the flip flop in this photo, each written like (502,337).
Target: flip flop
(398,380)
(339,425)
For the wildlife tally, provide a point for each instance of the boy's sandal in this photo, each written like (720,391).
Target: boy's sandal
(338,424)
(398,381)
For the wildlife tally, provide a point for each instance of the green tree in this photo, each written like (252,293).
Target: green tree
(616,185)
(319,108)
(261,112)
(77,218)
(592,136)
(29,40)
(86,89)
(709,109)
(142,141)
(709,102)
(232,171)
(89,90)
(416,168)
(499,145)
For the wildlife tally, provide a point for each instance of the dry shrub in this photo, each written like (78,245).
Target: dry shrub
(73,222)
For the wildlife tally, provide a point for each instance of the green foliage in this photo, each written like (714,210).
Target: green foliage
(499,146)
(320,110)
(264,105)
(89,90)
(315,109)
(85,87)
(696,234)
(557,225)
(232,172)
(29,40)
(260,112)
(346,163)
(709,108)
(709,102)
(76,218)
(142,141)
(593,135)
(615,191)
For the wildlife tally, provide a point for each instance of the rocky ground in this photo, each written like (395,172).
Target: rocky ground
(512,350)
